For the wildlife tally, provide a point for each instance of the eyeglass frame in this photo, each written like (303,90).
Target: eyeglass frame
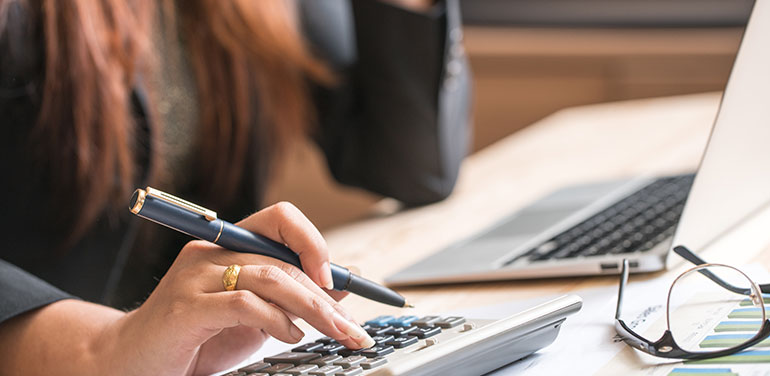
(666,346)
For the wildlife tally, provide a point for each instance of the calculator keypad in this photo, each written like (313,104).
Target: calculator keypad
(327,357)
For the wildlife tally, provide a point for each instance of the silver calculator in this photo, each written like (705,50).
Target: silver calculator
(429,345)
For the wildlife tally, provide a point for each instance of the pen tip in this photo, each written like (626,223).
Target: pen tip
(407,305)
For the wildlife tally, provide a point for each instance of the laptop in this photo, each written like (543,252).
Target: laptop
(589,229)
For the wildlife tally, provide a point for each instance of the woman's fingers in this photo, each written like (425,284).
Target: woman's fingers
(283,222)
(228,309)
(272,283)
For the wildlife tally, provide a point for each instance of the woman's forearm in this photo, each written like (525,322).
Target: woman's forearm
(62,338)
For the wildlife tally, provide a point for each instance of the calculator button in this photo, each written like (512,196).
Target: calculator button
(301,369)
(325,361)
(378,330)
(350,372)
(382,339)
(373,363)
(308,347)
(401,330)
(329,349)
(234,373)
(326,340)
(279,374)
(349,352)
(450,322)
(291,357)
(401,342)
(326,370)
(381,320)
(258,366)
(403,321)
(351,361)
(257,374)
(425,332)
(377,351)
(276,368)
(426,321)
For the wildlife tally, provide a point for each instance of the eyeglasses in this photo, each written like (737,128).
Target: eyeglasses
(697,299)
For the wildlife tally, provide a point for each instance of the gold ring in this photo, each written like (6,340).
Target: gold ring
(230,278)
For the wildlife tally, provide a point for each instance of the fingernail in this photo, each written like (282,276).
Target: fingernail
(326,276)
(296,333)
(357,333)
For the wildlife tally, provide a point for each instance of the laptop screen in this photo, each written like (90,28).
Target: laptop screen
(733,181)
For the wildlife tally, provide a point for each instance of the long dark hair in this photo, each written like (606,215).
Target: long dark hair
(93,50)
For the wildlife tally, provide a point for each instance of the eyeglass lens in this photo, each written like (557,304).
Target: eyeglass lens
(697,304)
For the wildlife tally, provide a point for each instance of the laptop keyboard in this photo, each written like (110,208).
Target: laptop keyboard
(635,224)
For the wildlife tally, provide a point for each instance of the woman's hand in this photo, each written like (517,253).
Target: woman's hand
(190,324)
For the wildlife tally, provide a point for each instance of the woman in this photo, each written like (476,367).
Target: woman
(197,98)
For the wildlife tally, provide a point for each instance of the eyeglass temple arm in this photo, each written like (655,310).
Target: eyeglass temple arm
(623,280)
(693,258)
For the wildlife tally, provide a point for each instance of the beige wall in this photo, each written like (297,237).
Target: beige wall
(524,74)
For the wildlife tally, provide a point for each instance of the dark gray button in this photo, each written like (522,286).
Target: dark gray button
(382,339)
(426,332)
(326,340)
(401,331)
(292,357)
(308,347)
(450,322)
(373,363)
(329,349)
(378,330)
(377,351)
(401,342)
(426,321)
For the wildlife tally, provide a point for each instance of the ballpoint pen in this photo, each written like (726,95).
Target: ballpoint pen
(202,223)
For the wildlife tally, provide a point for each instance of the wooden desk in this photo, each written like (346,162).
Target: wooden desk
(574,145)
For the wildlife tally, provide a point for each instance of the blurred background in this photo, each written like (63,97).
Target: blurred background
(532,57)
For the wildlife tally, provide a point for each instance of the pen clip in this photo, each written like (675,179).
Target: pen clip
(210,215)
